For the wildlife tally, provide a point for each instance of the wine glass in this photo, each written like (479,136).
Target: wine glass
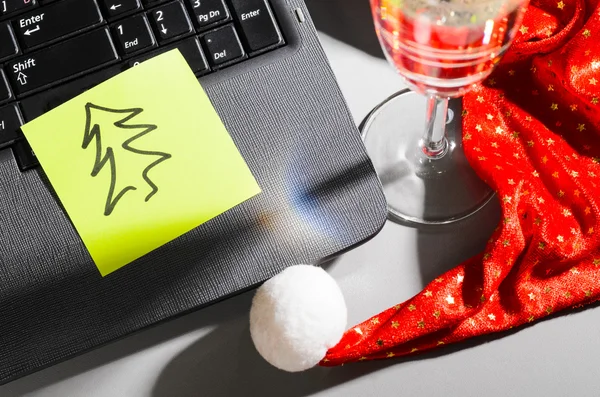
(441,48)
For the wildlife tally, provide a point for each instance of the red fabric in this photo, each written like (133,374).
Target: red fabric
(532,132)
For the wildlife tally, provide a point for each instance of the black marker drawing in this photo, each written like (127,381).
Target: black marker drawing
(104,156)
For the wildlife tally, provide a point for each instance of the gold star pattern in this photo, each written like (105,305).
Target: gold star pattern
(573,108)
(505,243)
(592,81)
(358,331)
(325,360)
(594,101)
(587,52)
(486,256)
(480,99)
(414,349)
(587,33)
(524,29)
(596,262)
(591,230)
(541,201)
(428,294)
(574,174)
(555,174)
(587,210)
(550,87)
(574,270)
(588,293)
(397,307)
(436,314)
(390,355)
(363,358)
(467,137)
(440,342)
(460,278)
(421,324)
(439,279)
(547,289)
(492,317)
(511,182)
(499,130)
(450,299)
(530,318)
(581,127)
(495,145)
(395,324)
(566,212)
(567,294)
(549,309)
(412,308)
(541,245)
(560,238)
(375,321)
(528,118)
(544,159)
(554,106)
(379,342)
(511,72)
(492,82)
(489,116)
(515,134)
(531,296)
(537,221)
(550,141)
(561,193)
(560,5)
(507,199)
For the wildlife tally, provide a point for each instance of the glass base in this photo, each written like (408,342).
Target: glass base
(420,189)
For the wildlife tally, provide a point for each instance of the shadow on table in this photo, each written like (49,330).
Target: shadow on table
(225,363)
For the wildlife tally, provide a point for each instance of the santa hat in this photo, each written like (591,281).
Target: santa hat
(532,132)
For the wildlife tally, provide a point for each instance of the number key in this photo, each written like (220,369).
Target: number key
(209,12)
(170,21)
(133,34)
(11,6)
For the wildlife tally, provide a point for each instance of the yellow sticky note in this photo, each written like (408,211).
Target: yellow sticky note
(140,160)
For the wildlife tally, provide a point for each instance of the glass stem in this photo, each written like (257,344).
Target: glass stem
(434,144)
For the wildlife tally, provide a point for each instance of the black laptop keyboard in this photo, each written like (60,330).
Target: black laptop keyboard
(52,50)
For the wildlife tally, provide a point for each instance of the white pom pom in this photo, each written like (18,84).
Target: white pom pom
(297,316)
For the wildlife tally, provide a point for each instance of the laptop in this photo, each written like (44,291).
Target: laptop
(263,68)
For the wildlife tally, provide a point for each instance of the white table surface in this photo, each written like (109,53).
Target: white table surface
(209,352)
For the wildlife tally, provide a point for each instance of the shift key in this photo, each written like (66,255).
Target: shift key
(61,61)
(55,21)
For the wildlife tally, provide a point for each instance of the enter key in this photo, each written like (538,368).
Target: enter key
(56,21)
(258,23)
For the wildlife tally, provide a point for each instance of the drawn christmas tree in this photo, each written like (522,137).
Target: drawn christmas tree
(120,143)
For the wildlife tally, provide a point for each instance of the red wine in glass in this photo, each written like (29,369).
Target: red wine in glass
(447,47)
(441,48)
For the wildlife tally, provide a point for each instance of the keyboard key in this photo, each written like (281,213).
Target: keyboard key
(8,44)
(55,21)
(223,46)
(133,34)
(10,122)
(5,94)
(24,155)
(58,62)
(190,49)
(150,3)
(118,8)
(258,23)
(170,21)
(209,12)
(8,7)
